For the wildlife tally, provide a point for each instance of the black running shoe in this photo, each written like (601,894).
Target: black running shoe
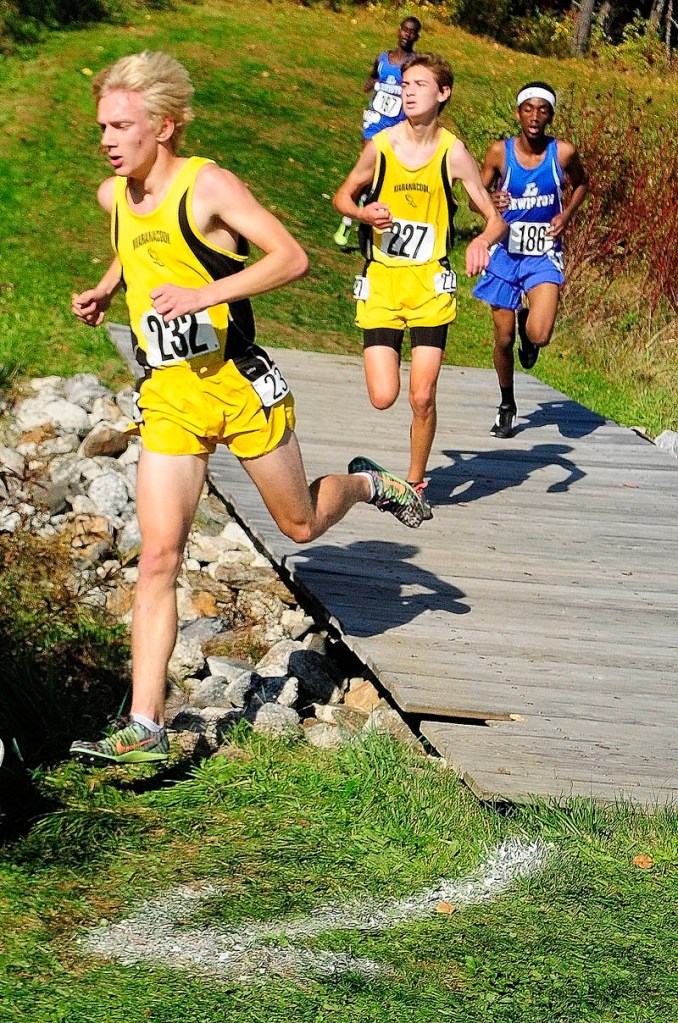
(504,424)
(391,493)
(528,352)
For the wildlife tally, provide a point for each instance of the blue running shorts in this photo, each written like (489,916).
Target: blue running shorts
(509,276)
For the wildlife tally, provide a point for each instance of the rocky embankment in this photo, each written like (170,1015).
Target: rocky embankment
(68,466)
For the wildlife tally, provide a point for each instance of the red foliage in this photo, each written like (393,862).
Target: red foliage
(629,223)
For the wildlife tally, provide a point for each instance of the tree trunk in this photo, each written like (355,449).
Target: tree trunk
(582,32)
(654,21)
(669,26)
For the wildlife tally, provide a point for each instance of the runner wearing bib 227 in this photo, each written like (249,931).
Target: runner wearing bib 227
(529,172)
(180,230)
(406,222)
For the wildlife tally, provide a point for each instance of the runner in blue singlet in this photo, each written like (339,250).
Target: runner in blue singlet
(529,173)
(385,107)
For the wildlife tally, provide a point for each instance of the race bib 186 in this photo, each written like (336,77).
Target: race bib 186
(529,239)
(183,338)
(409,239)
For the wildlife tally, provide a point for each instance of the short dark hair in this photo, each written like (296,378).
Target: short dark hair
(413,20)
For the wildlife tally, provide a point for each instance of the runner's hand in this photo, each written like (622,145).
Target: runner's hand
(501,200)
(90,307)
(557,226)
(378,215)
(171,301)
(477,257)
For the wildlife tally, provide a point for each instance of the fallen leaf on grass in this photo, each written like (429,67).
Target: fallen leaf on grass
(445,907)
(643,861)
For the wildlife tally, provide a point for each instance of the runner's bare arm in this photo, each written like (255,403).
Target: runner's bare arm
(90,306)
(223,209)
(374,74)
(463,167)
(570,161)
(490,172)
(360,178)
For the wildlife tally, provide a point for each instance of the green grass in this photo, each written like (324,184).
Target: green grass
(281,829)
(278,100)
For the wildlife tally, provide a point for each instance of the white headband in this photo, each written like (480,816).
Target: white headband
(534,92)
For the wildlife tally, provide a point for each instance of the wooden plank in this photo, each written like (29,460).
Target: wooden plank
(545,586)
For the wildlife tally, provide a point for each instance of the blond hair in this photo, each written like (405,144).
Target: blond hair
(161,81)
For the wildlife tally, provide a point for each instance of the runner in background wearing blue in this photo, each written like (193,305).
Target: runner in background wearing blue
(385,107)
(528,174)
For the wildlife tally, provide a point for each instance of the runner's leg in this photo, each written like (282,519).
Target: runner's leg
(302,512)
(504,321)
(424,373)
(543,299)
(168,491)
(382,372)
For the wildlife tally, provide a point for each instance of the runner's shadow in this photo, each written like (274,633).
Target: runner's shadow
(475,475)
(372,586)
(572,419)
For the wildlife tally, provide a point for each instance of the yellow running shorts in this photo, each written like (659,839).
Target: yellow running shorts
(405,296)
(189,411)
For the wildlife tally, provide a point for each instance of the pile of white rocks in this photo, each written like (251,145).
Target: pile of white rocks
(68,467)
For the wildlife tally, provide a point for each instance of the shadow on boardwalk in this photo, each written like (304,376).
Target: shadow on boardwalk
(473,476)
(397,590)
(572,420)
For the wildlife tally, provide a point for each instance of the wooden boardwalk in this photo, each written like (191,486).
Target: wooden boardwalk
(531,625)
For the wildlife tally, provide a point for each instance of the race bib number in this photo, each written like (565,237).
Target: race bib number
(409,239)
(180,340)
(527,239)
(361,287)
(386,104)
(445,283)
(264,376)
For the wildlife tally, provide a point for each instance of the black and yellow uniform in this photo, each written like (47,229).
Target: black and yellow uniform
(407,281)
(205,380)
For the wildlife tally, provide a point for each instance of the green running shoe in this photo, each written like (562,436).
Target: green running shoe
(131,744)
(391,493)
(420,488)
(342,234)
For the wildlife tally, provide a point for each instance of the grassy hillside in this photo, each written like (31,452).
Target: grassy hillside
(279,97)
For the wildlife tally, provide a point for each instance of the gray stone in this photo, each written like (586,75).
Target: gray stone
(202,629)
(295,622)
(237,536)
(66,467)
(187,658)
(11,459)
(228,667)
(385,721)
(106,410)
(62,414)
(53,385)
(211,692)
(109,493)
(124,399)
(240,688)
(668,441)
(326,736)
(57,446)
(83,389)
(129,536)
(211,722)
(272,719)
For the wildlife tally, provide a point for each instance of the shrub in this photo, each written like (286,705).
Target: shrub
(630,220)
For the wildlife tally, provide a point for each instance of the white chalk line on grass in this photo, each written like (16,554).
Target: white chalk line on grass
(157,934)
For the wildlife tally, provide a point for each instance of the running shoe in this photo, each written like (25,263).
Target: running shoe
(504,424)
(528,352)
(420,488)
(342,234)
(130,744)
(391,493)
